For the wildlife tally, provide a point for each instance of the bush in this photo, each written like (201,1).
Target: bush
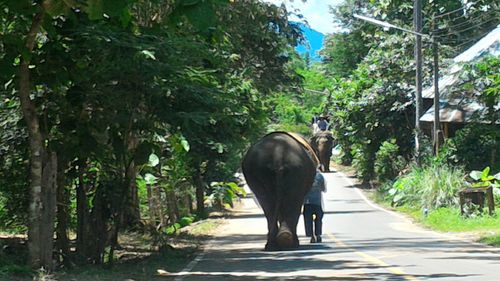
(431,186)
(14,190)
(363,161)
(475,146)
(223,194)
(302,129)
(388,162)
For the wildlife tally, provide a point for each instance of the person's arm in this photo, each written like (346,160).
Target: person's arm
(323,185)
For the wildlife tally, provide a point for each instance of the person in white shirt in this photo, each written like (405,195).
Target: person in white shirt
(313,209)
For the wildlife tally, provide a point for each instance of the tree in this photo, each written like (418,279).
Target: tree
(342,52)
(103,84)
(374,102)
(30,19)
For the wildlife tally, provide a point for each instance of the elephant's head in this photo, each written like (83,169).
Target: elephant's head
(322,143)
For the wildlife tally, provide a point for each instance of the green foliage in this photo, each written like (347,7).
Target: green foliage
(373,102)
(363,159)
(474,146)
(12,259)
(287,109)
(185,221)
(342,52)
(373,105)
(450,220)
(479,82)
(493,240)
(224,193)
(14,193)
(484,178)
(430,186)
(388,162)
(160,93)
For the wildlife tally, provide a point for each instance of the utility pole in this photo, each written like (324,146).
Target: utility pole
(417,22)
(435,52)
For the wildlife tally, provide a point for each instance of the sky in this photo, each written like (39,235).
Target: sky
(316,12)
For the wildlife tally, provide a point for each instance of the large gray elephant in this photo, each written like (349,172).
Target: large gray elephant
(322,143)
(280,170)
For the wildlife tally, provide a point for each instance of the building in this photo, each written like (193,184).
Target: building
(458,109)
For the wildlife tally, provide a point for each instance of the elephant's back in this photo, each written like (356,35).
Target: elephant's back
(277,151)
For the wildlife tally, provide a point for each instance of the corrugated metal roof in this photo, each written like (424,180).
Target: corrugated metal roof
(453,107)
(455,113)
(489,44)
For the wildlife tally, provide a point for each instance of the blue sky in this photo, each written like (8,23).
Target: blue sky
(315,39)
(316,12)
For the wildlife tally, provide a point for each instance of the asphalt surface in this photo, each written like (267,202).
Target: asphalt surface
(361,241)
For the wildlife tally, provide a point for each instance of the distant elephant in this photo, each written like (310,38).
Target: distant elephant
(280,170)
(322,143)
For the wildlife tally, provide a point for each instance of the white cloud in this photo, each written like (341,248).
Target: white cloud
(316,12)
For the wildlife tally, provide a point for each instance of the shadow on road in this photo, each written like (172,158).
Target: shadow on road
(237,258)
(258,215)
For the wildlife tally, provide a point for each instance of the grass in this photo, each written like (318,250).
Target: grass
(205,227)
(435,187)
(493,240)
(449,220)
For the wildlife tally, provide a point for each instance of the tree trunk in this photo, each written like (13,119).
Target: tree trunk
(151,205)
(172,208)
(63,202)
(200,194)
(81,211)
(186,204)
(96,230)
(39,243)
(132,213)
(48,210)
(190,204)
(156,190)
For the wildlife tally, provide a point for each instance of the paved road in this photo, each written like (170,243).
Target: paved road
(361,242)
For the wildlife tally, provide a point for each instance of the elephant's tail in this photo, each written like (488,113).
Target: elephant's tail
(284,236)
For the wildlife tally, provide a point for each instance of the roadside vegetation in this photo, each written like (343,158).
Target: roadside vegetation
(127,120)
(372,113)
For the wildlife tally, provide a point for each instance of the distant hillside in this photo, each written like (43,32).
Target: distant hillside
(314,42)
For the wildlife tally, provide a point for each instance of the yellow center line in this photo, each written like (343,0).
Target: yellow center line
(373,260)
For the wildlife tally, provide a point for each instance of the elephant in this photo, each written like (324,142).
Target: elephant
(280,169)
(322,143)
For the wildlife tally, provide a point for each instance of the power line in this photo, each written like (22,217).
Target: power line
(471,16)
(457,40)
(457,10)
(461,42)
(471,20)
(455,31)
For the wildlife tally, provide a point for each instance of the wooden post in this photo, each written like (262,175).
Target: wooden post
(436,91)
(491,200)
(417,22)
(477,196)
